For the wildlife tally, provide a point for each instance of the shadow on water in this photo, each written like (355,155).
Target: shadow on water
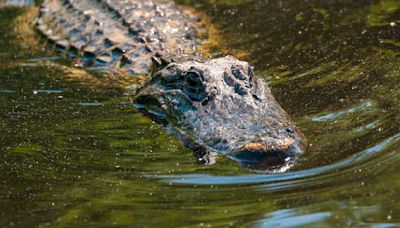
(74,154)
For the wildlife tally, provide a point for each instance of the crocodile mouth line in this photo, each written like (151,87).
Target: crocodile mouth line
(263,159)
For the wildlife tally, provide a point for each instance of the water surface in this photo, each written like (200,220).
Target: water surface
(75,152)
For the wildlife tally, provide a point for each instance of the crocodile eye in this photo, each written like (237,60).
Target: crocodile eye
(193,78)
(194,84)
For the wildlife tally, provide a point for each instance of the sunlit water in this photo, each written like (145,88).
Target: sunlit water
(75,152)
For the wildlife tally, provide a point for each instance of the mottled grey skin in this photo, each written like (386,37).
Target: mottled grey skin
(216,106)
(219,105)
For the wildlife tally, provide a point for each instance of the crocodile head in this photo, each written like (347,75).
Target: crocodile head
(218,105)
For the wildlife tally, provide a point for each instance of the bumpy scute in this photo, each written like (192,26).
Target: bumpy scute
(117,34)
(216,106)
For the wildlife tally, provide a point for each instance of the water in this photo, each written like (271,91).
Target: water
(75,152)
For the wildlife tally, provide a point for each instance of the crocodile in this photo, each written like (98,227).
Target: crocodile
(214,105)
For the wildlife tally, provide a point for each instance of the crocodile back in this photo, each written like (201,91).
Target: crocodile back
(118,35)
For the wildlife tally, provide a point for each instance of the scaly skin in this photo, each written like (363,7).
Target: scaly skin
(218,105)
(120,34)
(214,105)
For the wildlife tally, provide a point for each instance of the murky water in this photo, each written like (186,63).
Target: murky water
(74,152)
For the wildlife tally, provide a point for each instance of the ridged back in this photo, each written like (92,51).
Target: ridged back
(118,34)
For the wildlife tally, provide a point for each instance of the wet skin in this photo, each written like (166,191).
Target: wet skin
(220,107)
(67,162)
(216,106)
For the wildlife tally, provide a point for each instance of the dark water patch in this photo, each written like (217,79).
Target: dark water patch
(86,157)
(321,57)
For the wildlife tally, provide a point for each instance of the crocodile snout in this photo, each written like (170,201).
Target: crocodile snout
(275,155)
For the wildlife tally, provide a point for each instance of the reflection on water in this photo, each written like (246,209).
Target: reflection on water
(289,218)
(74,152)
(298,177)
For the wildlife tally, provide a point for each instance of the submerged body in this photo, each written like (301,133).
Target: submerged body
(214,105)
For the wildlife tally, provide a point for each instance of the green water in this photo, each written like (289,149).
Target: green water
(76,153)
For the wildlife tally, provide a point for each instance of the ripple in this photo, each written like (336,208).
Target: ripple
(105,164)
(43,59)
(365,106)
(47,91)
(91,104)
(7,91)
(290,218)
(291,179)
